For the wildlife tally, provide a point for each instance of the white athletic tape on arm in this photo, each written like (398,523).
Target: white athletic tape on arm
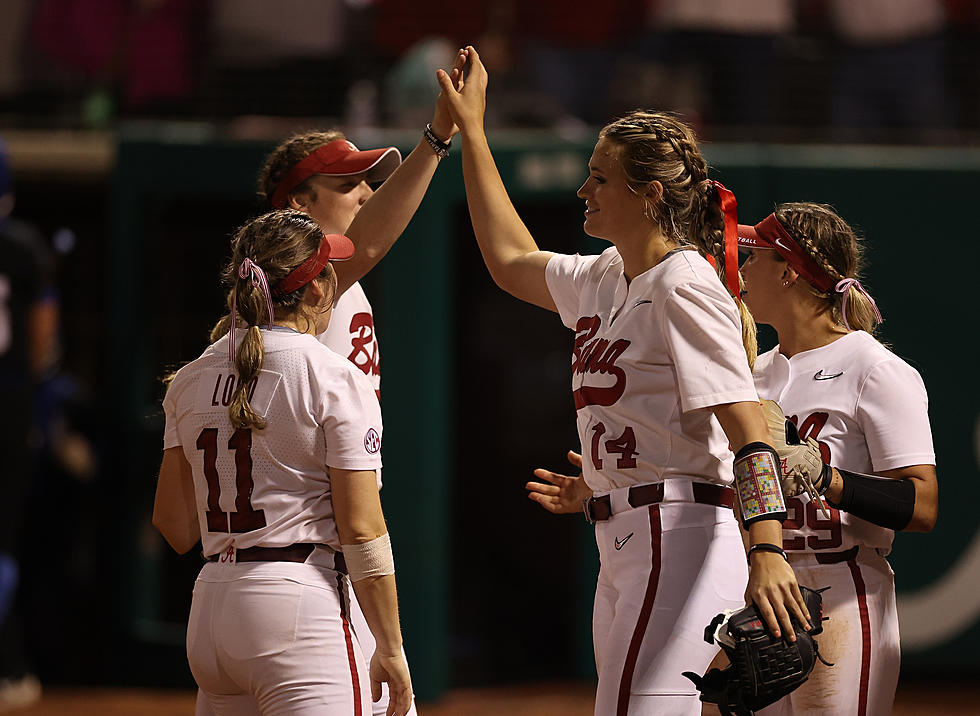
(369,559)
(757,480)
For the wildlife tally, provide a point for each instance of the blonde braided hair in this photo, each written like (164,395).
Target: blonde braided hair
(658,146)
(837,249)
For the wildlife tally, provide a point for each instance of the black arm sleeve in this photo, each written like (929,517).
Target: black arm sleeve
(881,501)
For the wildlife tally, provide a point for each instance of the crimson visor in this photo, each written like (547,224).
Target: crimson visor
(770,234)
(338,158)
(333,247)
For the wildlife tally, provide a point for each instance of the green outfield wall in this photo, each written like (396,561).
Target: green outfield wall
(914,206)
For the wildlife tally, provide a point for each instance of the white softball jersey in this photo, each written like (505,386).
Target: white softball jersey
(649,358)
(868,410)
(271,487)
(351,334)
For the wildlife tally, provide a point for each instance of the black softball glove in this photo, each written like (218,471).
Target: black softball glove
(763,668)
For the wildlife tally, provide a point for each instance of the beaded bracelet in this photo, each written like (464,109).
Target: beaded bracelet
(767,547)
(440,147)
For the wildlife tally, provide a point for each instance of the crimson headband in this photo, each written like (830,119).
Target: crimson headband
(771,234)
(337,158)
(333,247)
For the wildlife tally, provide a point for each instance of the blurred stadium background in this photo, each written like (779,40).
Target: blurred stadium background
(134,130)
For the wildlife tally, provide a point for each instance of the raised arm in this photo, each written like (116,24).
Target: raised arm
(385,215)
(174,507)
(510,252)
(364,536)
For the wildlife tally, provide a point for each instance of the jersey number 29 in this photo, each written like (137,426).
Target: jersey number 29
(244,518)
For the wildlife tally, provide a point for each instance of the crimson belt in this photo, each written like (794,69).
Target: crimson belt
(298,552)
(599,508)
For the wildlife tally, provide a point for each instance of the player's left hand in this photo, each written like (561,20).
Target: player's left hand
(774,590)
(392,669)
(564,494)
(443,125)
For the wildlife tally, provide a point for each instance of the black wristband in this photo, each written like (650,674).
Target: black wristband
(825,480)
(440,147)
(881,501)
(767,547)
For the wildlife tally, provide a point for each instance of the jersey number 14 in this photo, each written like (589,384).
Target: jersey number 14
(244,518)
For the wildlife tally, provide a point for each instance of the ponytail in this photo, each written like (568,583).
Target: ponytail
(713,229)
(250,292)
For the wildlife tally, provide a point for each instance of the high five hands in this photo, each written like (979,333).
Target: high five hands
(443,124)
(563,494)
(467,100)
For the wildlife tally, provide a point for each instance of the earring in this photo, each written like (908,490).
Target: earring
(785,283)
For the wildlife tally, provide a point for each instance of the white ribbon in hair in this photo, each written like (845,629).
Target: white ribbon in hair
(843,287)
(248,269)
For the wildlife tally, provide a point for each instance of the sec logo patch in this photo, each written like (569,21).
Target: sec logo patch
(372,441)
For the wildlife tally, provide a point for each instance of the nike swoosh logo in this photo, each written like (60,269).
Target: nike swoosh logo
(820,376)
(781,245)
(641,302)
(621,542)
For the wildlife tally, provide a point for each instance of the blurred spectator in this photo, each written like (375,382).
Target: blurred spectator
(719,58)
(963,66)
(28,320)
(890,72)
(13,14)
(141,53)
(287,57)
(572,55)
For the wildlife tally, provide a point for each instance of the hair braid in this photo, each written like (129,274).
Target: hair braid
(837,249)
(656,146)
(278,242)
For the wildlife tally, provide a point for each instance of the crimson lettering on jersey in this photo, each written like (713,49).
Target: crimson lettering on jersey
(597,356)
(824,532)
(811,427)
(365,348)
(624,445)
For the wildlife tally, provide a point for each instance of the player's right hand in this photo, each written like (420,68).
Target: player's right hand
(443,125)
(774,590)
(468,104)
(565,494)
(392,669)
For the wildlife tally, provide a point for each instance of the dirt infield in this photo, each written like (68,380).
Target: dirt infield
(574,699)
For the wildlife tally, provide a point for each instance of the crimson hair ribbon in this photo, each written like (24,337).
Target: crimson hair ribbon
(728,204)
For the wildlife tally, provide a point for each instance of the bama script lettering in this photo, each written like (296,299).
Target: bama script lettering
(590,356)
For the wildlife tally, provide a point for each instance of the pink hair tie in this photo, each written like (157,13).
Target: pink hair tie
(843,287)
(247,269)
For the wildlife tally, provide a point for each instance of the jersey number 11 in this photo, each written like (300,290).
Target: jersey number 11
(244,518)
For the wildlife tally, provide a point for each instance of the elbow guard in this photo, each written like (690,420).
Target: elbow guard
(882,501)
(757,483)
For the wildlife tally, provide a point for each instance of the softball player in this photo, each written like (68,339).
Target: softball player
(326,177)
(661,386)
(867,409)
(271,453)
